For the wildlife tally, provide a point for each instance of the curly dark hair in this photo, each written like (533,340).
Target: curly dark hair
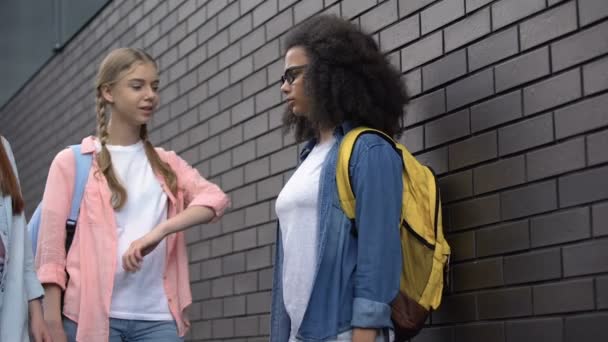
(348,78)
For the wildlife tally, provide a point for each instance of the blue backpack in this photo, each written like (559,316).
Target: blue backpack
(83,166)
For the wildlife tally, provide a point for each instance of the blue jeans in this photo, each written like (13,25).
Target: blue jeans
(126,330)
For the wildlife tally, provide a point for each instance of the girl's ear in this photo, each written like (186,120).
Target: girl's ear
(106,92)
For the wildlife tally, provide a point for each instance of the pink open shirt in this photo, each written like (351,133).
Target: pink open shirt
(91,260)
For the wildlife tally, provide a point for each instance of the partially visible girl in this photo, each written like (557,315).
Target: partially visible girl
(20,290)
(125,275)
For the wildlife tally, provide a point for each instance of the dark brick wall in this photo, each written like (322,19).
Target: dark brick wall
(509,106)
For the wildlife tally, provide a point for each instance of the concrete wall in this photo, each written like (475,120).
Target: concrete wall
(509,106)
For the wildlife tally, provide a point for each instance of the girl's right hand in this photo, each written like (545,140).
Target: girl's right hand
(57,332)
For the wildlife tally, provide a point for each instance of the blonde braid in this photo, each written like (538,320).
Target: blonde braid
(104,159)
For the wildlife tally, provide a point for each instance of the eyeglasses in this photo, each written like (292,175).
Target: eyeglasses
(292,73)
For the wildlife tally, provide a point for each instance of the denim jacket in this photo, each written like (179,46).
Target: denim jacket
(19,282)
(358,269)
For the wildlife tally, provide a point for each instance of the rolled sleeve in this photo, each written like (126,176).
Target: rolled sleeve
(368,313)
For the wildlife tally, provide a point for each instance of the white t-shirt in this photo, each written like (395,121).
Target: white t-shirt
(139,295)
(296,208)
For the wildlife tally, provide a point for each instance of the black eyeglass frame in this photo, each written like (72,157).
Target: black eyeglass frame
(291,74)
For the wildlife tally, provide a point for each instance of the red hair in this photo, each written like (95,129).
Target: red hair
(8,182)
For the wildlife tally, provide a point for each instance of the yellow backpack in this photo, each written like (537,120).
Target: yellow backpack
(425,251)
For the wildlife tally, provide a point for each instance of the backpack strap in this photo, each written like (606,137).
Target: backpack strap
(347,145)
(83,166)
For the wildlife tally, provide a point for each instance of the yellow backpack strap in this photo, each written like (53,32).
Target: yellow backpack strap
(345,192)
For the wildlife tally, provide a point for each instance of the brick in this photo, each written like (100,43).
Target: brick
(206,70)
(433,334)
(211,268)
(595,76)
(585,258)
(581,116)
(263,12)
(220,163)
(478,275)
(265,278)
(475,212)
(592,10)
(448,128)
(456,186)
(480,332)
(218,82)
(228,15)
(270,187)
(533,266)
(269,142)
(548,25)
(552,92)
(240,28)
(279,24)
(233,263)
(474,87)
(600,219)
(242,111)
(580,47)
(467,30)
(526,134)
(456,308)
(501,174)
(258,302)
(306,9)
(407,7)
(353,8)
(589,328)
(601,287)
(245,282)
(508,11)
(462,246)
(381,16)
(257,214)
(436,159)
(496,111)
(533,330)
(211,309)
(201,290)
(283,160)
(509,303)
(245,239)
(217,43)
(493,49)
(221,245)
(223,328)
(421,51)
(258,258)
(256,126)
(248,5)
(243,153)
(234,306)
(556,159)
(425,107)
(413,139)
(531,199)
(444,70)
(472,5)
(267,233)
(246,326)
(474,150)
(229,56)
(565,296)
(253,41)
(582,187)
(232,179)
(560,227)
(522,69)
(257,169)
(440,14)
(505,238)
(399,34)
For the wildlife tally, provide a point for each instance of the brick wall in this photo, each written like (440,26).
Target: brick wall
(509,106)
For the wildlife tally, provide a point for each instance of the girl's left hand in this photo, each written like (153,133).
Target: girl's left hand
(38,328)
(133,257)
